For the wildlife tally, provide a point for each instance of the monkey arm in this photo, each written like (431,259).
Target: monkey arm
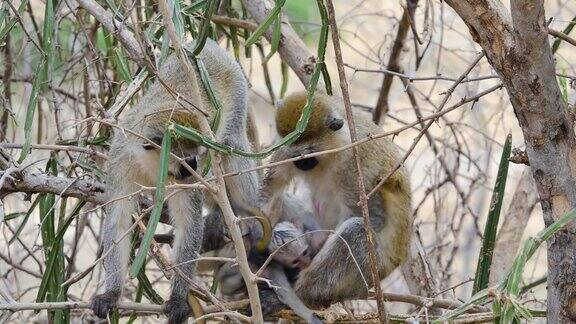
(286,294)
(116,248)
(185,210)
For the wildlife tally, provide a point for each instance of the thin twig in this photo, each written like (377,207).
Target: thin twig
(447,96)
(51,147)
(360,178)
(562,36)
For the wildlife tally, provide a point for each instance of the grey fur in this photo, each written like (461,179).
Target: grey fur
(132,163)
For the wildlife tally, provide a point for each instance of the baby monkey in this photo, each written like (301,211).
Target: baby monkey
(291,253)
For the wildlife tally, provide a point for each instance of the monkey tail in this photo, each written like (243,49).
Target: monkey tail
(197,310)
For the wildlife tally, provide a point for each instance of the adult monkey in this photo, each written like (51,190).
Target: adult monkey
(334,274)
(134,161)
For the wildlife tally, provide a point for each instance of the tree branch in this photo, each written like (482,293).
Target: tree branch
(292,49)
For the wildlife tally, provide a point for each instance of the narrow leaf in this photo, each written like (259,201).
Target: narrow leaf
(211,7)
(487,250)
(159,203)
(266,23)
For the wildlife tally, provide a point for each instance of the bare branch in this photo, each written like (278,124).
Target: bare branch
(292,49)
(115,27)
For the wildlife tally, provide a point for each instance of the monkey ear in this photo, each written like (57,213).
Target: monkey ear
(279,103)
(335,123)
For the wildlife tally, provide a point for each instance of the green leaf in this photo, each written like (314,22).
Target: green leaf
(205,79)
(43,68)
(487,250)
(276,35)
(211,7)
(25,220)
(159,203)
(50,288)
(285,79)
(11,22)
(122,65)
(274,14)
(147,288)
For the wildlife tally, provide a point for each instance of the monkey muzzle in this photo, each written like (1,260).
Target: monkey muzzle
(303,261)
(306,164)
(183,172)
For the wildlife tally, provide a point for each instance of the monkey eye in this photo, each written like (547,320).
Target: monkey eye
(155,139)
(335,124)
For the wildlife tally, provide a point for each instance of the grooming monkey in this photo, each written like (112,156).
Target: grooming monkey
(134,161)
(333,275)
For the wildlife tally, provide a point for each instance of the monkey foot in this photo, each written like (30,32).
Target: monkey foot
(102,304)
(177,310)
(271,304)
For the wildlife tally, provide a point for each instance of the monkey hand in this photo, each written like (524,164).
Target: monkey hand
(177,310)
(102,304)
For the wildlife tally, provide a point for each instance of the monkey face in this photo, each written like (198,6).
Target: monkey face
(291,249)
(324,118)
(192,154)
(294,257)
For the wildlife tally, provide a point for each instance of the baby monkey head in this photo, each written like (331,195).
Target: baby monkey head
(292,250)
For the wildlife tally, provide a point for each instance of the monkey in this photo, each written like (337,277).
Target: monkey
(290,246)
(290,254)
(341,269)
(292,216)
(288,207)
(134,161)
(290,250)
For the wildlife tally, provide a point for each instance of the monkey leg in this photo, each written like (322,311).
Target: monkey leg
(333,275)
(215,233)
(286,294)
(116,248)
(185,209)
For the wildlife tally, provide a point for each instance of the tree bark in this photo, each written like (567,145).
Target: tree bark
(517,47)
(515,220)
(292,49)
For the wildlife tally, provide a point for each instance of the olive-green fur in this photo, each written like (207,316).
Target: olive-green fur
(333,181)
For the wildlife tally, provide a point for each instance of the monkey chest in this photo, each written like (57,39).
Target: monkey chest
(329,205)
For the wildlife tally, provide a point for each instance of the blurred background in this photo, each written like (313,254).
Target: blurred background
(452,168)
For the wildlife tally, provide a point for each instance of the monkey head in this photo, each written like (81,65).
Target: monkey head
(192,153)
(292,250)
(326,128)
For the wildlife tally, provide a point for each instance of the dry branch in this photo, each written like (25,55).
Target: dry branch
(393,65)
(115,27)
(292,49)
